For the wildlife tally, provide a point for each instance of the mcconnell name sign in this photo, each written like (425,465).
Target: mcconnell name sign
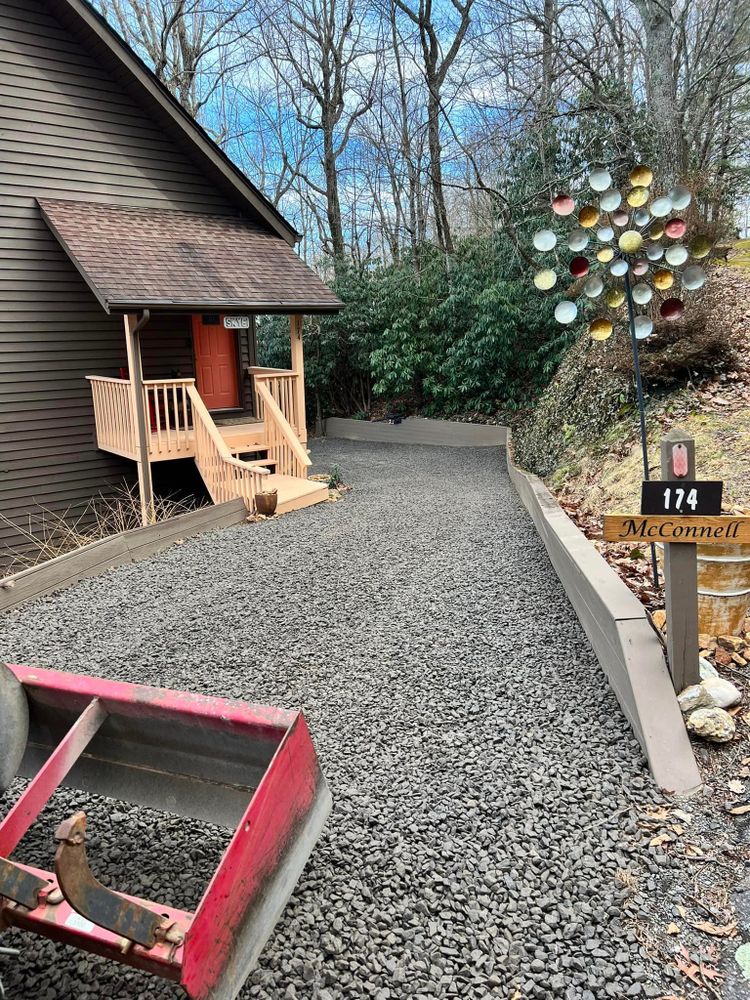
(663,528)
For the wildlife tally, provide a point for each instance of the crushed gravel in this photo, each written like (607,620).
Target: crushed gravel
(483,777)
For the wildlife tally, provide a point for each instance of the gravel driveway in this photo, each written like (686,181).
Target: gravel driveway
(482,774)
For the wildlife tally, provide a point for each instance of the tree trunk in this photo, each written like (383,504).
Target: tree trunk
(661,91)
(333,202)
(442,228)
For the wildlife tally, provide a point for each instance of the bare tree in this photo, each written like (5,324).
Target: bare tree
(437,63)
(321,51)
(375,125)
(191,44)
(661,86)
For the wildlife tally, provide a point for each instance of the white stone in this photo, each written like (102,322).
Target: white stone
(712,724)
(722,692)
(695,696)
(707,669)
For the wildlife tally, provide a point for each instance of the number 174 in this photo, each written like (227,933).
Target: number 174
(679,497)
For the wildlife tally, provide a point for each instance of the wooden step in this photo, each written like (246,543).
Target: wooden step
(295,493)
(243,437)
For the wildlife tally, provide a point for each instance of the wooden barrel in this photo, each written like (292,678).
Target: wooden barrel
(723,588)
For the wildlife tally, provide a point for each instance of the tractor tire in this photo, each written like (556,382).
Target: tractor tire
(14,725)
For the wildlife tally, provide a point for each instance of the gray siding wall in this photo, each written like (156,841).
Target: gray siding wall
(68,130)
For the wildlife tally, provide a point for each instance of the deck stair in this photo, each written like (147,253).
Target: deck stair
(223,472)
(243,438)
(295,493)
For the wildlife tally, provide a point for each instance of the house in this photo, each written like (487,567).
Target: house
(134,258)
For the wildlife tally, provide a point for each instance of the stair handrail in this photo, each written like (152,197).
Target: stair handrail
(200,410)
(200,413)
(261,372)
(287,431)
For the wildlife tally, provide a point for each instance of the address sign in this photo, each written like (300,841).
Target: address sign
(667,528)
(236,322)
(681,497)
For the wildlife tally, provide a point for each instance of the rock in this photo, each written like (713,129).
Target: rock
(739,660)
(732,643)
(722,692)
(695,696)
(706,641)
(707,669)
(722,657)
(660,618)
(713,724)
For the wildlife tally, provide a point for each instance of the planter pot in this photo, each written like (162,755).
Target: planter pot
(723,588)
(265,502)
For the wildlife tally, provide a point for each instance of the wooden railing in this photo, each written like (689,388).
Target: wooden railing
(113,414)
(282,386)
(283,445)
(168,415)
(225,477)
(165,404)
(179,424)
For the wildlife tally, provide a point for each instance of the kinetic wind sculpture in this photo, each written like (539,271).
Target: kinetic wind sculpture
(631,250)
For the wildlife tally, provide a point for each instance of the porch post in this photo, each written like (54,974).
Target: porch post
(142,436)
(298,366)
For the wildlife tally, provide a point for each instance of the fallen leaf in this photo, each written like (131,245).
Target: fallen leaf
(681,910)
(735,786)
(708,973)
(656,812)
(663,838)
(691,971)
(716,930)
(693,851)
(739,810)
(679,830)
(673,929)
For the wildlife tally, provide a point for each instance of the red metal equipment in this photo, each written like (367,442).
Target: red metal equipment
(248,767)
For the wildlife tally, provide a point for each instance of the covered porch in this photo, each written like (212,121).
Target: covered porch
(243,425)
(237,456)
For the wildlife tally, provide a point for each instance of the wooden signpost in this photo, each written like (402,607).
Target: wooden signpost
(679,511)
(686,529)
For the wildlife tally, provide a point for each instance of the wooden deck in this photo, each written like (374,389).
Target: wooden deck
(237,458)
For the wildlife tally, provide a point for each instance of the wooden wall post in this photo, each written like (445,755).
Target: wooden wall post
(142,431)
(681,573)
(298,366)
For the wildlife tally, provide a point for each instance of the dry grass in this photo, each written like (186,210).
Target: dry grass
(48,533)
(611,481)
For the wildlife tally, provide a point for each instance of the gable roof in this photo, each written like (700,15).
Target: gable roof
(156,258)
(103,42)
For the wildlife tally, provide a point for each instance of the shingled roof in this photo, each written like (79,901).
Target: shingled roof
(135,258)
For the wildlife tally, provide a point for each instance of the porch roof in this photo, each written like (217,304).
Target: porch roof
(160,259)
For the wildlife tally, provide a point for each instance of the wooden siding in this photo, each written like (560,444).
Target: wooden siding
(167,348)
(69,130)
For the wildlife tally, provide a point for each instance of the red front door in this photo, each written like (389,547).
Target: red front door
(216,363)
